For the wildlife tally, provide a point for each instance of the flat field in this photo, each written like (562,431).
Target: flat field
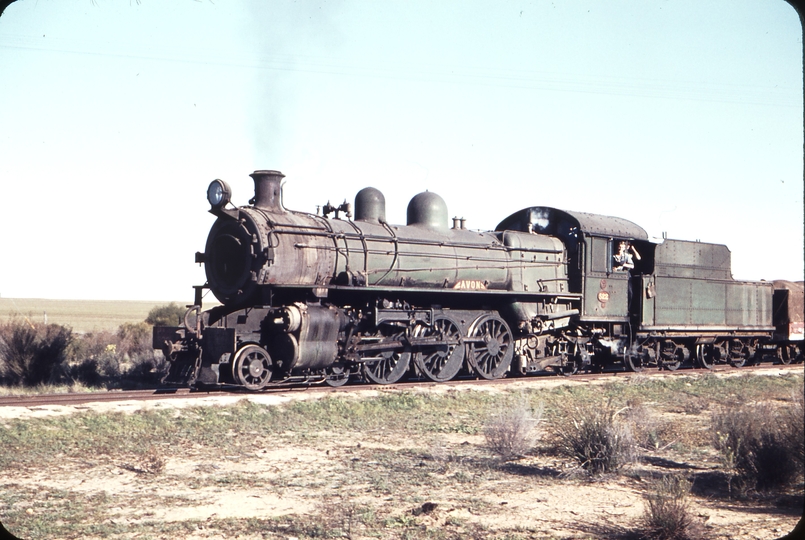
(398,464)
(80,315)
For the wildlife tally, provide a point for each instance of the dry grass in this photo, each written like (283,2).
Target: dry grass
(80,315)
(512,432)
(394,464)
(668,515)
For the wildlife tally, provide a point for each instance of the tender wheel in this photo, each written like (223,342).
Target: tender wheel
(252,367)
(633,361)
(672,365)
(673,355)
(336,375)
(703,357)
(788,353)
(391,366)
(492,357)
(442,361)
(739,353)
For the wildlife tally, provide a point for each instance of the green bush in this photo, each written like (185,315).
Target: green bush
(134,339)
(166,315)
(761,444)
(115,359)
(31,353)
(593,436)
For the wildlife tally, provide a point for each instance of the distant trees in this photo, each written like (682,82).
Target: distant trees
(166,315)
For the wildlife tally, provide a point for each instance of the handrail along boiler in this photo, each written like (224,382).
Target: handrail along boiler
(312,298)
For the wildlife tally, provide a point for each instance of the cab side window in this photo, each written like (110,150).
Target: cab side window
(601,256)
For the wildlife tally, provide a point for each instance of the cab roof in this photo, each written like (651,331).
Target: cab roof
(546,220)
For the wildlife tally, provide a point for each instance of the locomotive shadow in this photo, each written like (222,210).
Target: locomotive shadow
(667,463)
(520,469)
(721,488)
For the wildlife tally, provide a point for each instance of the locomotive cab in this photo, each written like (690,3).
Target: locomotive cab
(604,253)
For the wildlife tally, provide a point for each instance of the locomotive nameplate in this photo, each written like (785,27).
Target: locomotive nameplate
(471,284)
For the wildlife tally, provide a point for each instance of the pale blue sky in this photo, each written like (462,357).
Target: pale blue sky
(682,116)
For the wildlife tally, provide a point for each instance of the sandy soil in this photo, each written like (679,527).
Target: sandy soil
(305,476)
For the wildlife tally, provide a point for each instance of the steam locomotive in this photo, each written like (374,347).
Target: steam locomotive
(308,298)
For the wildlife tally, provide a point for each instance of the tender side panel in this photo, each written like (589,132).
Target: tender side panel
(749,304)
(678,303)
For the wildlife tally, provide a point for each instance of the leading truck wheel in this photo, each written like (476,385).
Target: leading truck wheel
(441,360)
(252,367)
(336,375)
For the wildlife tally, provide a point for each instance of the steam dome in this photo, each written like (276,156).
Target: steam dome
(429,210)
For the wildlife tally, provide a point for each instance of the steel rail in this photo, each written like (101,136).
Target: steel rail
(70,399)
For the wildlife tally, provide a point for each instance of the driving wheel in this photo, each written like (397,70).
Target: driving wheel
(441,359)
(491,353)
(391,365)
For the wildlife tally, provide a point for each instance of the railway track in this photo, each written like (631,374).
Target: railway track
(72,399)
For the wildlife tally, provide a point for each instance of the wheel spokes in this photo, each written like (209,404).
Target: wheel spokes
(392,365)
(442,361)
(252,367)
(491,356)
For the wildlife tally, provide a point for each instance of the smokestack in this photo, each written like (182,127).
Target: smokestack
(267,190)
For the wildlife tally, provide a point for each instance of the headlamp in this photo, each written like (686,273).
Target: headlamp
(218,194)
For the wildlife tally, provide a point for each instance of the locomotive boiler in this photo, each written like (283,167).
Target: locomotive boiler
(330,296)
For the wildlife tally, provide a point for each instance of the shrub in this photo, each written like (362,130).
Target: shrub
(30,353)
(645,427)
(86,372)
(93,358)
(92,345)
(667,516)
(511,433)
(650,431)
(166,315)
(761,444)
(106,358)
(147,369)
(592,435)
(134,339)
(794,433)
